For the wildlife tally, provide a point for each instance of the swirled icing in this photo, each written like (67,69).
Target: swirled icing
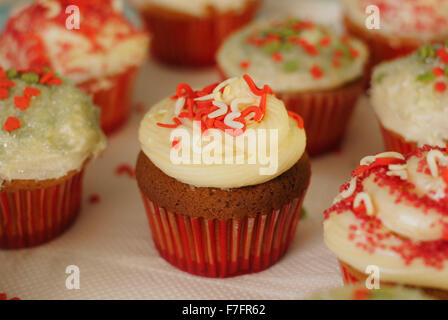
(156,144)
(406,236)
(410,96)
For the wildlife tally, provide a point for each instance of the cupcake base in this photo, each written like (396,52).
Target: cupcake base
(113,95)
(185,40)
(223,248)
(351,276)
(32,213)
(395,142)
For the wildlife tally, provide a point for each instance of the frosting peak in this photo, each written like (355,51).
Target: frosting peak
(236,133)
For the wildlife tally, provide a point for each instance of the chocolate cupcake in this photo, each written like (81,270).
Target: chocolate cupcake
(392,216)
(317,73)
(49,132)
(410,98)
(215,207)
(102,53)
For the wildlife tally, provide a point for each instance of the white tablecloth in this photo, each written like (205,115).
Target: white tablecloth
(111,243)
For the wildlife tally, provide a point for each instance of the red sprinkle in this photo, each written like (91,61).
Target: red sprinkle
(297,118)
(94,198)
(54,82)
(316,72)
(22,102)
(12,123)
(46,77)
(4,93)
(440,86)
(125,169)
(325,42)
(6,83)
(438,72)
(277,57)
(361,294)
(244,65)
(31,92)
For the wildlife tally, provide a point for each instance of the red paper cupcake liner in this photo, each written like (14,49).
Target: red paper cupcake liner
(223,248)
(382,48)
(186,40)
(395,142)
(348,277)
(326,114)
(115,100)
(32,217)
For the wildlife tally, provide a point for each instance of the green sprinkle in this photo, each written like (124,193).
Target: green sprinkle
(446,72)
(272,47)
(379,78)
(30,77)
(426,77)
(287,46)
(284,33)
(303,214)
(11,73)
(290,66)
(426,52)
(46,69)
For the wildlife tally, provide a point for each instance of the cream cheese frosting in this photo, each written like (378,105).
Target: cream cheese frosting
(410,98)
(236,97)
(293,55)
(58,130)
(105,45)
(195,7)
(405,231)
(421,19)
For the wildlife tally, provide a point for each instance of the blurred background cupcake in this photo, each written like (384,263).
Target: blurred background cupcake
(410,98)
(393,215)
(404,25)
(317,73)
(215,216)
(188,33)
(360,292)
(49,132)
(102,56)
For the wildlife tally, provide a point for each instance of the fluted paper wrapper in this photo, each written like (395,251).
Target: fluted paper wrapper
(395,142)
(31,217)
(113,95)
(223,248)
(185,40)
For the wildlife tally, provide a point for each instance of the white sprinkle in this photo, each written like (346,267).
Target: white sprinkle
(403,174)
(228,120)
(223,84)
(205,98)
(365,198)
(431,159)
(234,104)
(53,8)
(180,103)
(223,108)
(347,193)
(366,161)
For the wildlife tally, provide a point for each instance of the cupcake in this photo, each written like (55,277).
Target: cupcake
(49,132)
(188,33)
(392,215)
(410,98)
(360,292)
(223,172)
(317,73)
(404,25)
(101,55)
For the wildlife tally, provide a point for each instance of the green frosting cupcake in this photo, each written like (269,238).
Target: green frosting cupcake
(293,55)
(359,292)
(48,126)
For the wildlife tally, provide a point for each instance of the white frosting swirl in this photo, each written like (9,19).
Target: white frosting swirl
(156,144)
(411,108)
(398,224)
